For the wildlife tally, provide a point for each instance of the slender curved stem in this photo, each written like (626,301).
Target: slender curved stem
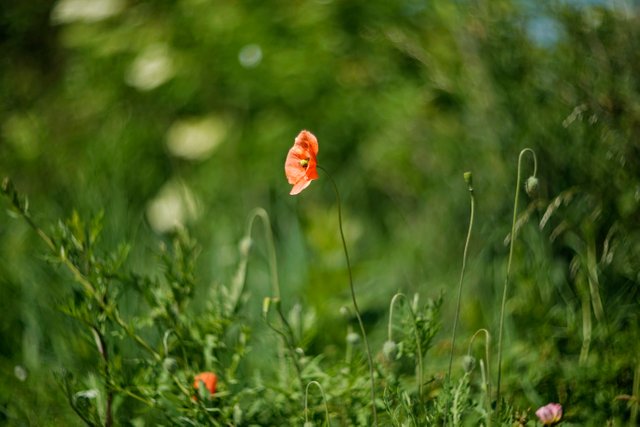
(275,282)
(355,302)
(419,375)
(464,264)
(506,280)
(488,364)
(306,402)
(271,247)
(287,339)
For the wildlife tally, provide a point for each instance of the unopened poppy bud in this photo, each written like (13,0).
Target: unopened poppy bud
(468,178)
(245,245)
(7,186)
(170,364)
(468,363)
(390,350)
(344,311)
(308,424)
(353,338)
(266,305)
(237,414)
(20,372)
(531,186)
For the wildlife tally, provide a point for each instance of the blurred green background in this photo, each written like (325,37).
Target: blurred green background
(168,113)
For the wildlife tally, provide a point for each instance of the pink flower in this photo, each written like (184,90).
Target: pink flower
(550,414)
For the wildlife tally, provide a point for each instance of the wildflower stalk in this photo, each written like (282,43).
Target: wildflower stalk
(419,374)
(306,403)
(273,271)
(355,302)
(468,179)
(286,335)
(271,247)
(486,376)
(506,280)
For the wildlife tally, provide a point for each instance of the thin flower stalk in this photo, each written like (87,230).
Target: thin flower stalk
(260,213)
(508,274)
(301,167)
(286,334)
(355,302)
(324,399)
(486,374)
(468,179)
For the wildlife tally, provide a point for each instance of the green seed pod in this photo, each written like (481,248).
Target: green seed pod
(468,363)
(266,305)
(353,338)
(531,186)
(344,312)
(390,350)
(237,414)
(245,246)
(468,178)
(170,364)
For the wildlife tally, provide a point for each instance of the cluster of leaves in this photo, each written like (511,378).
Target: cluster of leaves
(148,351)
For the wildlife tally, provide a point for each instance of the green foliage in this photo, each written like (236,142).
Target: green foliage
(141,120)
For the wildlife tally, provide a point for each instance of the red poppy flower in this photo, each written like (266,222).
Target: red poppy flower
(300,166)
(209,379)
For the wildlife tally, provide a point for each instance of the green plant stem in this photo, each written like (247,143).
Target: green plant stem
(636,395)
(324,398)
(464,264)
(506,280)
(355,302)
(275,282)
(104,353)
(271,247)
(287,339)
(419,375)
(487,376)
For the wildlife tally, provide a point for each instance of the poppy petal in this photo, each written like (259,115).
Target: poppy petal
(300,166)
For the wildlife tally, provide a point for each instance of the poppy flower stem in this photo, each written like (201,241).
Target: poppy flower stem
(486,376)
(353,298)
(273,270)
(286,335)
(469,181)
(512,238)
(271,247)
(306,402)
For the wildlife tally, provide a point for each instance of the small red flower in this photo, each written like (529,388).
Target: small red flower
(301,163)
(209,379)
